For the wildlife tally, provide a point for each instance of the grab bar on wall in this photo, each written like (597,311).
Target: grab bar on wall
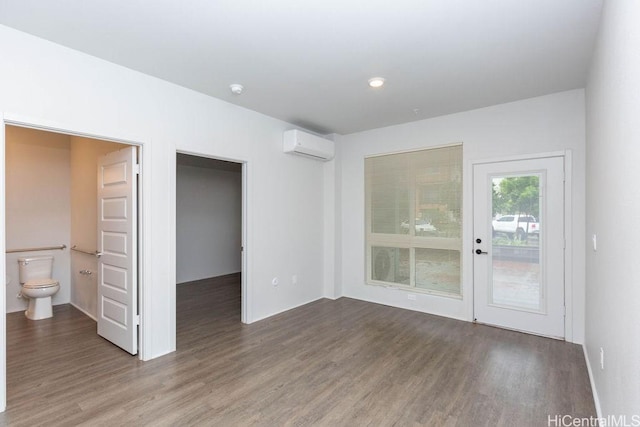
(43,248)
(94,253)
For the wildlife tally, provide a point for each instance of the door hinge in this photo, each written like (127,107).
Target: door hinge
(136,169)
(136,319)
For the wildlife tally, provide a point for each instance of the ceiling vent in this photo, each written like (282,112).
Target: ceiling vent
(308,145)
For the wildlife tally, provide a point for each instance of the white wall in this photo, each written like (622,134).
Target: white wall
(54,86)
(84,219)
(613,210)
(546,124)
(37,205)
(209,222)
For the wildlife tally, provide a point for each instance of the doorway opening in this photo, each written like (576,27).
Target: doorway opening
(52,209)
(75,194)
(209,242)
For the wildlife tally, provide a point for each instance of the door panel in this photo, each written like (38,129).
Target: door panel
(519,245)
(117,243)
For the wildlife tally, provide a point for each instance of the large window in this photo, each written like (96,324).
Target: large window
(413,220)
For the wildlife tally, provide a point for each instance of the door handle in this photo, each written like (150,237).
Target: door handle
(480,251)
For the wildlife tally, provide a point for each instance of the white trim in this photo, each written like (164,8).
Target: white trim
(145,265)
(568,247)
(173,166)
(289,308)
(51,126)
(3,273)
(246,315)
(373,300)
(468,259)
(594,391)
(531,156)
(211,156)
(413,150)
(145,246)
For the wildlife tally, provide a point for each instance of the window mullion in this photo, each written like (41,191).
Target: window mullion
(412,267)
(412,188)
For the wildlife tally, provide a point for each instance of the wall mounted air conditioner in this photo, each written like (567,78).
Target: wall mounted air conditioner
(308,145)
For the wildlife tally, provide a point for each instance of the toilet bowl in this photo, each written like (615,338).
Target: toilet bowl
(38,286)
(39,293)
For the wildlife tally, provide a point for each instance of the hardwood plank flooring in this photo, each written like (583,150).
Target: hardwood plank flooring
(328,363)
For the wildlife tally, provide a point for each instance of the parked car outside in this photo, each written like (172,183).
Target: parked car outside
(421,226)
(516,226)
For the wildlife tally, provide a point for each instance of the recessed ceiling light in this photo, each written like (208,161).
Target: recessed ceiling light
(376,82)
(236,88)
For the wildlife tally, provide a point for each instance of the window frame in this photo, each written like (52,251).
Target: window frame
(410,241)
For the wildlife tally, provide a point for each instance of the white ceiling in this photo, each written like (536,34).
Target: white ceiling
(308,61)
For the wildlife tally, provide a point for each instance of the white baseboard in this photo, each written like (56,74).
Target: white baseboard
(596,400)
(82,310)
(286,309)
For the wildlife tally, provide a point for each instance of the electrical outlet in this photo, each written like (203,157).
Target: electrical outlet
(294,279)
(601,358)
(594,239)
(411,297)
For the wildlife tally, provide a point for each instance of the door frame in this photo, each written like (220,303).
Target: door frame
(246,315)
(144,194)
(568,230)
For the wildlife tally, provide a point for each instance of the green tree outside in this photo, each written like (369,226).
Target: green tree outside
(516,195)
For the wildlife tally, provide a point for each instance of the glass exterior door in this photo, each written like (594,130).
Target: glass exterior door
(519,245)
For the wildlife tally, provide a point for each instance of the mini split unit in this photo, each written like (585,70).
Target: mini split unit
(308,145)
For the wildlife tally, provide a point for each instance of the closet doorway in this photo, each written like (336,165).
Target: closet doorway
(209,243)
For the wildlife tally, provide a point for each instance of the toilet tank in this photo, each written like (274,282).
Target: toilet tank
(37,267)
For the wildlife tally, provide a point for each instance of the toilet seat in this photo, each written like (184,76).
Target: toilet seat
(40,283)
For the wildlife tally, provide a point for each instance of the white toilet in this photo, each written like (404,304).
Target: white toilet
(37,285)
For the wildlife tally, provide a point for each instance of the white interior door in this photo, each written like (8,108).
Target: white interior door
(117,243)
(519,245)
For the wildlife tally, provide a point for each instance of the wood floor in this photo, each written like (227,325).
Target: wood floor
(328,363)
